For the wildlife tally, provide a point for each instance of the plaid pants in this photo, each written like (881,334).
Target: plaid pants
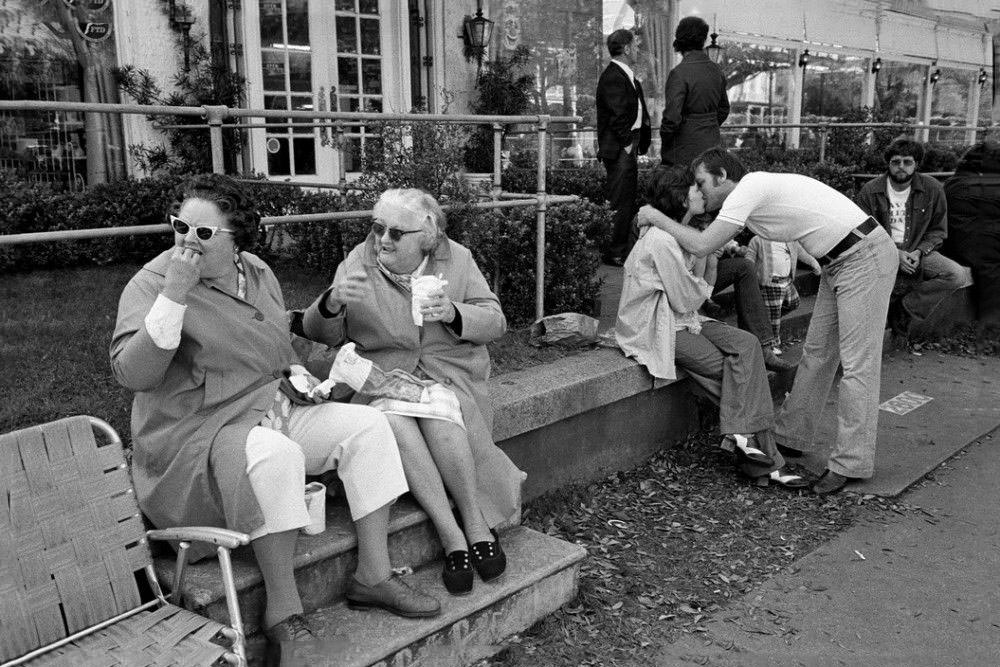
(780,297)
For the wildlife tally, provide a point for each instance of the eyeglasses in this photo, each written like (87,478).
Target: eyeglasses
(203,232)
(902,162)
(395,234)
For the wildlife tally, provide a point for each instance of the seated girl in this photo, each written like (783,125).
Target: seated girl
(659,325)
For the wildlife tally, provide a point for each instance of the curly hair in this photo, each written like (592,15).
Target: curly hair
(231,199)
(667,190)
(690,35)
(907,147)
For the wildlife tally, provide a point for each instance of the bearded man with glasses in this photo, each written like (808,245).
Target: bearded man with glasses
(912,208)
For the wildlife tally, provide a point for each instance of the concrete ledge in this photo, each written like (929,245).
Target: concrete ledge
(584,416)
(529,399)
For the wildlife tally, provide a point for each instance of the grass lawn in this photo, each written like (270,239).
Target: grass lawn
(56,325)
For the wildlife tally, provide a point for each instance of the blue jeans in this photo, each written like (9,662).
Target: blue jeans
(846,329)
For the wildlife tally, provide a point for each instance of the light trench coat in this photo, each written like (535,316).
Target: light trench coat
(656,288)
(195,405)
(382,327)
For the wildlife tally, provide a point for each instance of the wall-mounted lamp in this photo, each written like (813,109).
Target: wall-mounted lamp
(983,76)
(876,65)
(476,33)
(804,58)
(935,75)
(181,19)
(713,48)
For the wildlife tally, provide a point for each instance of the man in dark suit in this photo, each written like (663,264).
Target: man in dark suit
(696,103)
(623,133)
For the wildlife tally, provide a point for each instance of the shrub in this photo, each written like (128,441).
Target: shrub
(34,207)
(586,182)
(504,248)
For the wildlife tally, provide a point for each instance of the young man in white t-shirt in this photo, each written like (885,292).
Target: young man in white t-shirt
(859,263)
(913,209)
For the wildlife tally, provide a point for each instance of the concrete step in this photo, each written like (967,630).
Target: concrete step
(322,563)
(542,575)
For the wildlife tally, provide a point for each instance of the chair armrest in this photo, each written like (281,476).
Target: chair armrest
(221,537)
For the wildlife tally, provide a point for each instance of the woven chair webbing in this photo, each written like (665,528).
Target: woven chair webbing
(71,538)
(168,635)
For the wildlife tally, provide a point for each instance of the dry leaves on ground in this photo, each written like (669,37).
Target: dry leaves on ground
(669,545)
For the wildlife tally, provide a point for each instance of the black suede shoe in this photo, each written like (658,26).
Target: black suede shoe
(489,559)
(457,573)
(775,363)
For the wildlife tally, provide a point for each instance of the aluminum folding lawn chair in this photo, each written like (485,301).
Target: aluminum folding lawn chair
(72,546)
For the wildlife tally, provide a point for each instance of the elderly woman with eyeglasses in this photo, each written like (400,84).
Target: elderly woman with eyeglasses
(219,439)
(369,303)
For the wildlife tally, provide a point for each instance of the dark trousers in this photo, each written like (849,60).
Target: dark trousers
(751,311)
(621,190)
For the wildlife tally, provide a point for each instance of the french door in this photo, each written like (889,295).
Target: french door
(324,55)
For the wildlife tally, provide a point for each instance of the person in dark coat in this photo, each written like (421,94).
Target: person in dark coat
(973,196)
(695,102)
(623,133)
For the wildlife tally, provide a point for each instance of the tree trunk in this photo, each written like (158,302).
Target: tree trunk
(93,123)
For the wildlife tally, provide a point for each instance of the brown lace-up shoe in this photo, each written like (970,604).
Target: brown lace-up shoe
(294,628)
(394,595)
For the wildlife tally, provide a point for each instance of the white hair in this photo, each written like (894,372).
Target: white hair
(423,204)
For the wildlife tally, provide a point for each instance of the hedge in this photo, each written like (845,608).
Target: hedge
(502,242)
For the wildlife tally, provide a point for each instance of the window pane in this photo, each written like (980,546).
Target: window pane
(347,37)
(301,70)
(305,156)
(273,67)
(352,154)
(347,75)
(371,76)
(302,104)
(345,5)
(270,22)
(370,42)
(298,22)
(278,162)
(353,104)
(275,102)
(368,6)
(373,104)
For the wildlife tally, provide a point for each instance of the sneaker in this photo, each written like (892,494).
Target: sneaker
(394,595)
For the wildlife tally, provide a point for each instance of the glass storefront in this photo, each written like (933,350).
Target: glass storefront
(42,59)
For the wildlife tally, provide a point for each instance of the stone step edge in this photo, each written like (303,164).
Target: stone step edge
(454,609)
(309,550)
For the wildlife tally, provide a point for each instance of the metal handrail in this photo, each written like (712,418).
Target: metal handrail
(216,115)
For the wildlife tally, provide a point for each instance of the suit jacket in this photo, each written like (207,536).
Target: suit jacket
(926,211)
(618,101)
(696,104)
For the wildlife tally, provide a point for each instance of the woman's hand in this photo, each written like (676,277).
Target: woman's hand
(437,307)
(351,289)
(182,274)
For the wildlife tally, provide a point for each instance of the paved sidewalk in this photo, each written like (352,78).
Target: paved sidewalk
(926,591)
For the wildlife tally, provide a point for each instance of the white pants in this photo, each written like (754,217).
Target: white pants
(356,440)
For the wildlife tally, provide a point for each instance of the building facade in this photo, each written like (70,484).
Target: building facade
(788,61)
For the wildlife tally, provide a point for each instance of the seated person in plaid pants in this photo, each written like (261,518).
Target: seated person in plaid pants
(776,262)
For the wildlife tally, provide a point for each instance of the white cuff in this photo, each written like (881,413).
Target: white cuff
(164,321)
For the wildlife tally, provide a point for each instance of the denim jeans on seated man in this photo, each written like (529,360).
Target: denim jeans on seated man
(751,311)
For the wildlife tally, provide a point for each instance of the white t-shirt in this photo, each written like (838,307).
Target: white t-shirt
(897,212)
(792,207)
(781,260)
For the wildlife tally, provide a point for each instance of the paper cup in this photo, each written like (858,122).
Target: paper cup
(316,505)
(420,287)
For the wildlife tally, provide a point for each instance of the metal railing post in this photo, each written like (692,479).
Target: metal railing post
(497,161)
(824,132)
(341,144)
(215,115)
(542,206)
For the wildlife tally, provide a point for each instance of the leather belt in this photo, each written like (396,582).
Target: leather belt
(848,241)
